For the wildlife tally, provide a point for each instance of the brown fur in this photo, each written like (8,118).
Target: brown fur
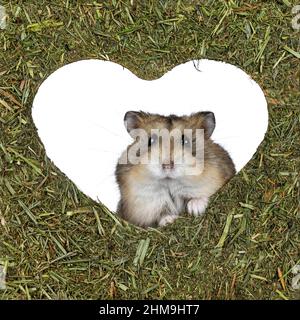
(218,166)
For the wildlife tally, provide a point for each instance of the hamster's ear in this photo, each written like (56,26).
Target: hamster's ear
(208,122)
(132,120)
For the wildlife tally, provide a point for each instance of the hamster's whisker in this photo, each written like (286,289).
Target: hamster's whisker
(106,129)
(102,150)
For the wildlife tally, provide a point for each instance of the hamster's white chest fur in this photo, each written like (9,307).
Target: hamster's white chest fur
(166,194)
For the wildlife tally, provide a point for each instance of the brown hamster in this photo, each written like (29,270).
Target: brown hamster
(155,192)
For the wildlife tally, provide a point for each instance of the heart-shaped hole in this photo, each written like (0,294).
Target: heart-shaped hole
(80,108)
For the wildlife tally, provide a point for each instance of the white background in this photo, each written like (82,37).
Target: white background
(79,112)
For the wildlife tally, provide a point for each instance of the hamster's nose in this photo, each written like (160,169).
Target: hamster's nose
(169,165)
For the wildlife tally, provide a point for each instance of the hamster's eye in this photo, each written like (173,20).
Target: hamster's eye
(184,140)
(152,140)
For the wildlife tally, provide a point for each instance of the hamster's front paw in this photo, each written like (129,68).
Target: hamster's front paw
(167,219)
(197,206)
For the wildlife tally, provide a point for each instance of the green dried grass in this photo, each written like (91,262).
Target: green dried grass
(57,243)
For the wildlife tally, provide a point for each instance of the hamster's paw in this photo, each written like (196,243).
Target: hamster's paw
(167,219)
(197,206)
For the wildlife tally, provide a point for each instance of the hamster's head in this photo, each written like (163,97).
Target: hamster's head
(168,147)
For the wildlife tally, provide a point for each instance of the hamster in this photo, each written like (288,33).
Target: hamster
(155,192)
